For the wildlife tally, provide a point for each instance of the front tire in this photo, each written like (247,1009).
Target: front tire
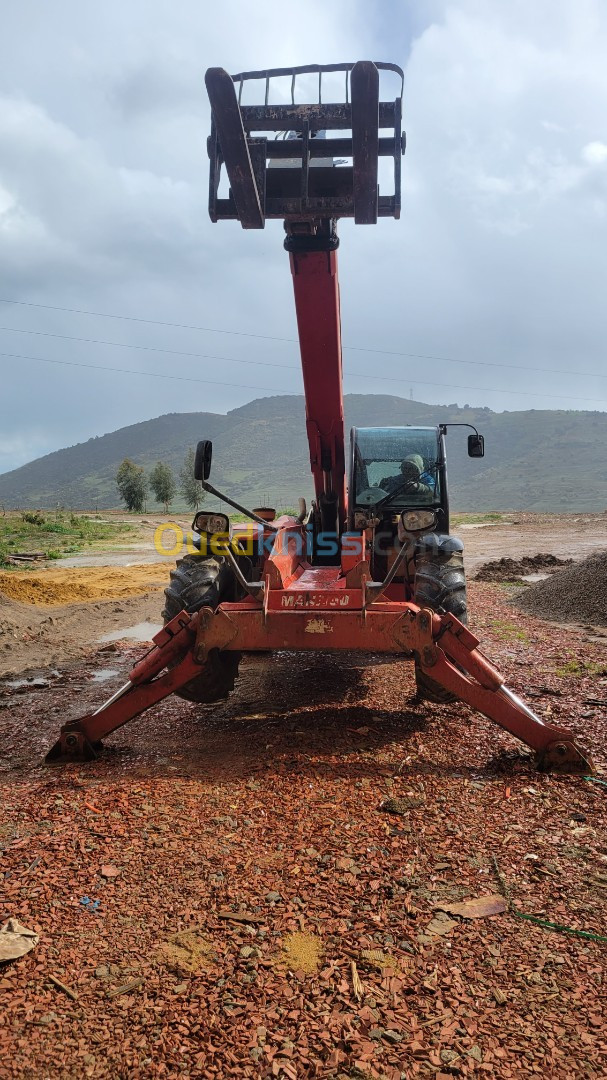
(198,582)
(440,584)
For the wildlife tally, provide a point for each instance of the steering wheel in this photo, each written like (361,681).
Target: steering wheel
(370,496)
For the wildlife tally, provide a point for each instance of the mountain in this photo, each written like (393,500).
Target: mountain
(534,460)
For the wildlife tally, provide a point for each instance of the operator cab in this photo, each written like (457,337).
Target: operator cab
(393,469)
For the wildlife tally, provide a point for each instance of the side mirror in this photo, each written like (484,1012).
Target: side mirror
(476,446)
(202,461)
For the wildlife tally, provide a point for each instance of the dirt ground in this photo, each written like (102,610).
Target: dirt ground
(569,536)
(251,910)
(38,631)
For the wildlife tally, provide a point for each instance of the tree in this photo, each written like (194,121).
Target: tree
(162,483)
(132,485)
(189,486)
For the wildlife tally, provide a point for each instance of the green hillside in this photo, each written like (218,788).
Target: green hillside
(535,460)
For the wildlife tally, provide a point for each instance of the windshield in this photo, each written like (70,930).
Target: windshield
(397,467)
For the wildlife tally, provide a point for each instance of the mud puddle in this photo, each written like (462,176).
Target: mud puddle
(25,684)
(105,674)
(480,525)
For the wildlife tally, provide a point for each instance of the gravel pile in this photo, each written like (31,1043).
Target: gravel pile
(576,594)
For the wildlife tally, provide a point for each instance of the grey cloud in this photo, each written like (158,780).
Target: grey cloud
(157,88)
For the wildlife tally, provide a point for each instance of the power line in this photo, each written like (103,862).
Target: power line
(292,341)
(479,363)
(480,389)
(277,390)
(485,389)
(148,348)
(147,374)
(151,322)
(493,390)
(264,363)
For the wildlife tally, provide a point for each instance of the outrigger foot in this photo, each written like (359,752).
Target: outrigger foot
(564,757)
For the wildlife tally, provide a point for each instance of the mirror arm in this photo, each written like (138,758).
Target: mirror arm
(443,427)
(242,509)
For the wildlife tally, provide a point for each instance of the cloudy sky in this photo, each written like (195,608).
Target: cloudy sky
(497,266)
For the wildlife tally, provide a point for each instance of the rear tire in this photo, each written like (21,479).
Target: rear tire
(440,584)
(198,582)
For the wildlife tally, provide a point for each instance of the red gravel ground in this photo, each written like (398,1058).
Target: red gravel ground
(269,805)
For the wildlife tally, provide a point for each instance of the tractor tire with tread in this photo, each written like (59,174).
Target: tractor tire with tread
(440,584)
(198,582)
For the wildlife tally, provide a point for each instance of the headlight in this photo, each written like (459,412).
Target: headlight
(211,523)
(415,520)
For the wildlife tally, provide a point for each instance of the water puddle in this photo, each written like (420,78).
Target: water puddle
(33,683)
(534,577)
(143,631)
(104,674)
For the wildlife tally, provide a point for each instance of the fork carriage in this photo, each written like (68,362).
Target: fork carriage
(295,175)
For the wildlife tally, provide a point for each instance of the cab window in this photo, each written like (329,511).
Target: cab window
(397,467)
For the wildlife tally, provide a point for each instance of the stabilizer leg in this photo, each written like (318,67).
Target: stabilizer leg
(480,685)
(81,739)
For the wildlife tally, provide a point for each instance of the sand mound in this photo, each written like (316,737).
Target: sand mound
(187,952)
(56,586)
(301,952)
(576,594)
(510,569)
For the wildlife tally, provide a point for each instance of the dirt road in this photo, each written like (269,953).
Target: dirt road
(221,893)
(514,535)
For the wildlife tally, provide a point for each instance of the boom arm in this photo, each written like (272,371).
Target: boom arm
(317,305)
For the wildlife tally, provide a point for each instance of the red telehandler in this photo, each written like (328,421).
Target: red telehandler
(372,565)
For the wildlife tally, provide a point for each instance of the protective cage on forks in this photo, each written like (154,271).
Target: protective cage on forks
(322,159)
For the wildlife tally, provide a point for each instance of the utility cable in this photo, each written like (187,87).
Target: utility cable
(147,374)
(268,363)
(546,924)
(277,390)
(148,348)
(294,341)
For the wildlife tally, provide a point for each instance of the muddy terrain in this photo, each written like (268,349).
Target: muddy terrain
(39,629)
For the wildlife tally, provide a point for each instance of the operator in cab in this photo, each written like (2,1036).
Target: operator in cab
(412,481)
